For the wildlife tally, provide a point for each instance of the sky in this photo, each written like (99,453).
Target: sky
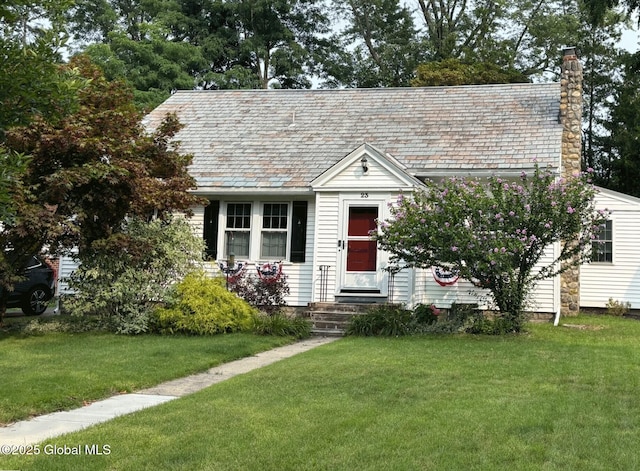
(630,40)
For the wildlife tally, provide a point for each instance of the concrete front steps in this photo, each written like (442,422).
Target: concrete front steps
(331,319)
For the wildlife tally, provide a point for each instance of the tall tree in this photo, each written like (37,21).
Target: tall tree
(598,9)
(32,33)
(32,84)
(601,55)
(162,45)
(88,171)
(619,152)
(281,37)
(379,46)
(454,28)
(135,41)
(522,35)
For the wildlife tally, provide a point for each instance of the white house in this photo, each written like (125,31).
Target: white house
(302,175)
(615,273)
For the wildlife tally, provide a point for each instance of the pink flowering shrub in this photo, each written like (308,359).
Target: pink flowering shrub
(494,231)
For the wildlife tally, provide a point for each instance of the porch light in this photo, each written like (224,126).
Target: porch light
(364,162)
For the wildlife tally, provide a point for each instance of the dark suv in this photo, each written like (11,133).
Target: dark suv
(33,294)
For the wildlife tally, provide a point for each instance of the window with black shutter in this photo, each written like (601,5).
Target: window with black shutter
(210,234)
(298,231)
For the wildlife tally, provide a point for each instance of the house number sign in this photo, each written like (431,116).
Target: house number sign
(364,195)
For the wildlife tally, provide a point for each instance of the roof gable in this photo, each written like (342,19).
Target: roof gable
(382,172)
(616,201)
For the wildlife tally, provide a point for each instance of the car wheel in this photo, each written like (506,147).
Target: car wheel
(36,301)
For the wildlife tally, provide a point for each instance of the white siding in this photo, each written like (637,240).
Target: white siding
(428,291)
(352,178)
(299,275)
(67,266)
(620,279)
(197,220)
(402,287)
(330,229)
(326,239)
(545,296)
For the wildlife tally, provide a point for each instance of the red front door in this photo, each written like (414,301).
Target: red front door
(362,252)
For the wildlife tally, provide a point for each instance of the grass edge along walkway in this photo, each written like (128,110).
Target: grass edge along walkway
(40,428)
(58,371)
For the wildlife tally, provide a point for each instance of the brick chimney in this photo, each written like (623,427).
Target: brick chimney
(571,120)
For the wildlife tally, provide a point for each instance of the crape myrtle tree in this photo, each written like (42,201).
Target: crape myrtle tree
(89,171)
(494,232)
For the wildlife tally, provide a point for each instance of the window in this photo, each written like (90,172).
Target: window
(238,230)
(274,230)
(257,230)
(602,251)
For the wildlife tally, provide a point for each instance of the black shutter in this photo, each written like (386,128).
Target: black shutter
(299,231)
(210,235)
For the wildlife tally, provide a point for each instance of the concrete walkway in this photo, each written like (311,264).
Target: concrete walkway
(32,431)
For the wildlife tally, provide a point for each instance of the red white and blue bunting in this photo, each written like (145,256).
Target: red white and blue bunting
(232,271)
(445,277)
(269,272)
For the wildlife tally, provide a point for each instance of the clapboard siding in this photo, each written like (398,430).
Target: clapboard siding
(326,236)
(67,265)
(428,291)
(352,178)
(402,288)
(545,296)
(299,275)
(619,280)
(197,220)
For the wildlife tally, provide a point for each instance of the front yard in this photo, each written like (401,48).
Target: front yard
(57,371)
(556,398)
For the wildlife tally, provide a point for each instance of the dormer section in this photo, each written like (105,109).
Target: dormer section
(365,169)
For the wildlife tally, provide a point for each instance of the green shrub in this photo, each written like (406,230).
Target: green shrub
(282,325)
(122,278)
(394,320)
(426,314)
(385,320)
(501,324)
(58,323)
(203,306)
(617,308)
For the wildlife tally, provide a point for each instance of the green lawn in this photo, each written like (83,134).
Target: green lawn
(57,371)
(555,399)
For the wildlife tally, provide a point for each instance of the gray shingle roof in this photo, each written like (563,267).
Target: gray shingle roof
(283,139)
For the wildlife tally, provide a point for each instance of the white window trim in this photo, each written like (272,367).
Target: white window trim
(255,231)
(286,231)
(606,262)
(227,229)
